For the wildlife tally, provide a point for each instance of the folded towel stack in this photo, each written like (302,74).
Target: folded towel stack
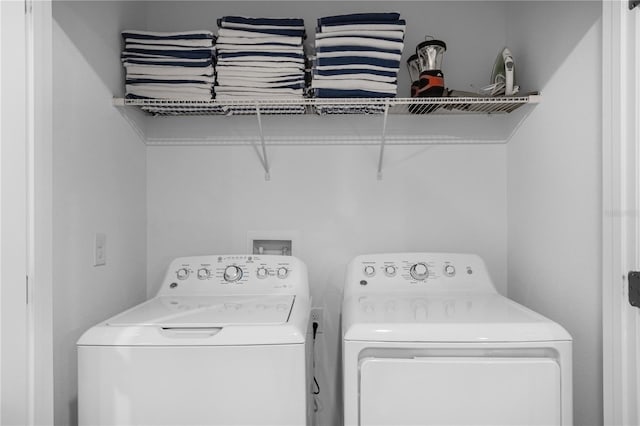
(260,58)
(358,55)
(169,65)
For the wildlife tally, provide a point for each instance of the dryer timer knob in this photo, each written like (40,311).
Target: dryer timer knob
(232,273)
(419,271)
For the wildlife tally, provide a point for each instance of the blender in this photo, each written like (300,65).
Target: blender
(431,80)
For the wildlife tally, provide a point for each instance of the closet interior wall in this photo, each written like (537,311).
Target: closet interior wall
(99,184)
(554,182)
(159,202)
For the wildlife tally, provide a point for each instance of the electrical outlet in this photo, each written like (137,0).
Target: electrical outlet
(317,316)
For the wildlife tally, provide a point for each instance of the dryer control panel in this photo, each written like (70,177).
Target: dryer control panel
(417,272)
(218,275)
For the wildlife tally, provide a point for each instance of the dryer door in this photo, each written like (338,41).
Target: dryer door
(459,391)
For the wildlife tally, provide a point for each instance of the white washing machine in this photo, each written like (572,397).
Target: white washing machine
(429,341)
(222,343)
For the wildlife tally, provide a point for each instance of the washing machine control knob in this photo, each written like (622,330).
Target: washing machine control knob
(262,272)
(449,270)
(282,272)
(419,271)
(369,270)
(182,273)
(203,273)
(390,270)
(232,273)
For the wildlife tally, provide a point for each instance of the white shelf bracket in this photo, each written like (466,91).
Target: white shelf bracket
(383,139)
(263,158)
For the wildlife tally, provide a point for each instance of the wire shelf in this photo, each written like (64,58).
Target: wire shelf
(333,106)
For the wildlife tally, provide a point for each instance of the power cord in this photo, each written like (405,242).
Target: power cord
(315,326)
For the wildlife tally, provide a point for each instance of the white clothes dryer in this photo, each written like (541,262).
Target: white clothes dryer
(222,343)
(429,341)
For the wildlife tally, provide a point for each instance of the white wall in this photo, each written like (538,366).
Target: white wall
(98,186)
(554,183)
(14,216)
(204,200)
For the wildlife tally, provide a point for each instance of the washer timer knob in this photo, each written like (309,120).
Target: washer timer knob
(419,271)
(369,270)
(282,272)
(232,273)
(182,273)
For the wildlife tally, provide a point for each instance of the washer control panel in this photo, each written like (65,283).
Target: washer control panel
(417,272)
(235,274)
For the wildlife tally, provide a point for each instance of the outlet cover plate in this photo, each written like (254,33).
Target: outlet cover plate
(317,315)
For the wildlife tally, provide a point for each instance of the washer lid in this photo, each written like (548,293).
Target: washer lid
(454,317)
(212,311)
(206,321)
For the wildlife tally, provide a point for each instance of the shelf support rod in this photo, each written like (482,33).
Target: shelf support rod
(383,139)
(263,157)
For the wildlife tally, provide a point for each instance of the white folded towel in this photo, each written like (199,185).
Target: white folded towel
(252,72)
(239,89)
(396,35)
(169,34)
(206,42)
(187,88)
(359,41)
(261,59)
(227,32)
(361,27)
(256,66)
(263,78)
(256,95)
(355,84)
(360,53)
(201,78)
(144,57)
(242,82)
(290,41)
(355,67)
(258,47)
(152,47)
(168,70)
(356,76)
(238,25)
